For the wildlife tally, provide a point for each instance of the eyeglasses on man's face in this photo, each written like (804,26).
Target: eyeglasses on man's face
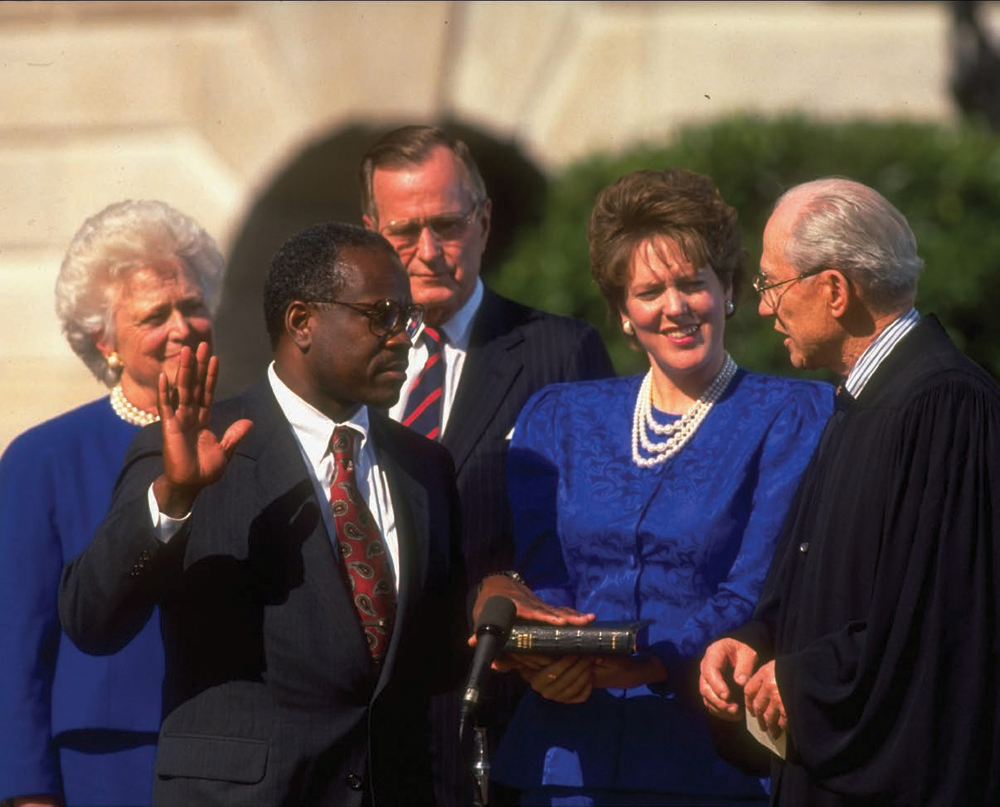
(761,286)
(386,317)
(446,227)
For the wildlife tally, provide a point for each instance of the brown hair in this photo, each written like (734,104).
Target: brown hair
(675,203)
(412,145)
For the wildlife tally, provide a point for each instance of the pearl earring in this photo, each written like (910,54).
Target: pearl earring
(627,328)
(730,308)
(115,361)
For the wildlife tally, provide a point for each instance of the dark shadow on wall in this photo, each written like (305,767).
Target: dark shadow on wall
(321,184)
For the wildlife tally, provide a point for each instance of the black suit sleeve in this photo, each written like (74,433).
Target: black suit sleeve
(108,593)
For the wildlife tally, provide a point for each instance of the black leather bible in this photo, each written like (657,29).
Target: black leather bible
(597,638)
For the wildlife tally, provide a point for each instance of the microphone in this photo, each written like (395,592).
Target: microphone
(491,632)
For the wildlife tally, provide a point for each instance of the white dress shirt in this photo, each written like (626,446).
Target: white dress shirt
(457,330)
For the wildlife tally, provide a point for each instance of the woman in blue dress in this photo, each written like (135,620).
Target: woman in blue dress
(139,281)
(657,497)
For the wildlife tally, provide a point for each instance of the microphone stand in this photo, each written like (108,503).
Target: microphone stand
(480,767)
(494,622)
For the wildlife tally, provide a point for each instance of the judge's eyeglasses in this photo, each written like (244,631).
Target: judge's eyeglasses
(761,286)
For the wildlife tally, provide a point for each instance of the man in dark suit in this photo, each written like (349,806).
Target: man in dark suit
(283,687)
(423,191)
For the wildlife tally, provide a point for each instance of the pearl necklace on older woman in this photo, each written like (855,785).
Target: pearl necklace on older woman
(128,411)
(680,431)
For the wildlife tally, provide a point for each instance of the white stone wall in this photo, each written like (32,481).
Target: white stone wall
(201,103)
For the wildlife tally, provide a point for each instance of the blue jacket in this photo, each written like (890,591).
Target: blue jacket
(55,487)
(685,544)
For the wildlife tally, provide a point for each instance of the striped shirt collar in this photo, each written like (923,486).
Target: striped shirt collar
(876,352)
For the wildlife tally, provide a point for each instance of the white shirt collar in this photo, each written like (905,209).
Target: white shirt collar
(312,428)
(459,327)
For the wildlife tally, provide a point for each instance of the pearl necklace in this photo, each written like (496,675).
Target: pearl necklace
(680,431)
(128,411)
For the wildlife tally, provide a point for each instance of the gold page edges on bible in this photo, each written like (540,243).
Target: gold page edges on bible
(597,638)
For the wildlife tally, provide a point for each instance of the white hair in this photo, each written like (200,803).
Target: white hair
(845,225)
(106,250)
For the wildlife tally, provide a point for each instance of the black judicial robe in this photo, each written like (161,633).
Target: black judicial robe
(882,606)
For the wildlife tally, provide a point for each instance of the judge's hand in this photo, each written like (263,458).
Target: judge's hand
(529,607)
(193,457)
(763,701)
(564,679)
(726,667)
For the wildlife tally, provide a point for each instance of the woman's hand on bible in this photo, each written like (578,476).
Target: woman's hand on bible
(566,679)
(625,672)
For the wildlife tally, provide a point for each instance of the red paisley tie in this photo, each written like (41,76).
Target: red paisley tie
(369,571)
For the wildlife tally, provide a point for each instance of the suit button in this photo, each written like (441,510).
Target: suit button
(354,781)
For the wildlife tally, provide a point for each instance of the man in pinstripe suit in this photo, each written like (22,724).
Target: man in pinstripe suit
(278,686)
(422,190)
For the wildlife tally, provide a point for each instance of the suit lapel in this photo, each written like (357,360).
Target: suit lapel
(293,508)
(412,515)
(491,366)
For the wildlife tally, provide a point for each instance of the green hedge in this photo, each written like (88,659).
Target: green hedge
(945,180)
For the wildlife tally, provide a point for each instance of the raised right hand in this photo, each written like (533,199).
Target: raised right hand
(193,457)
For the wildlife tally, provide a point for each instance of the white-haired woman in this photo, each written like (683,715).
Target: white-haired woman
(140,280)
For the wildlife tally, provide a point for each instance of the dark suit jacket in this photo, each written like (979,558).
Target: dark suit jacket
(270,693)
(513,352)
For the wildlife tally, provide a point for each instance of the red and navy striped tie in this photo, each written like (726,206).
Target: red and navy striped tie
(424,406)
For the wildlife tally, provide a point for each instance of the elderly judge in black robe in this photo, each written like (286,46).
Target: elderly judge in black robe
(874,647)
